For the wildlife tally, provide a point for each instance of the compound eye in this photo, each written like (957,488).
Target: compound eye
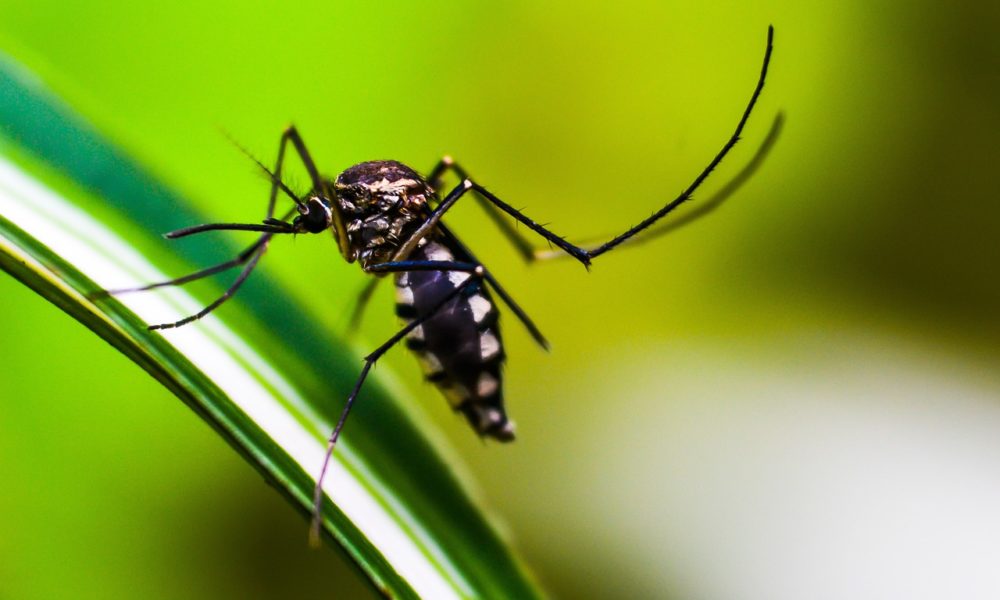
(318,216)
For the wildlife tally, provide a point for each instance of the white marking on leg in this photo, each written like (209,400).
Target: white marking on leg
(487,385)
(480,307)
(489,345)
(417,333)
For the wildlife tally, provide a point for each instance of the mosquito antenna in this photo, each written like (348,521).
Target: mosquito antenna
(317,521)
(270,174)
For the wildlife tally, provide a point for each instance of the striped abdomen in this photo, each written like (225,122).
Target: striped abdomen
(459,347)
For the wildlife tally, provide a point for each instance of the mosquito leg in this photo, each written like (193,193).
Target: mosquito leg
(686,194)
(291,134)
(270,226)
(515,237)
(517,310)
(219,268)
(531,254)
(705,207)
(254,259)
(434,221)
(585,255)
(423,265)
(361,304)
(370,360)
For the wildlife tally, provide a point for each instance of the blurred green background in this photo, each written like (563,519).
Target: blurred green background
(796,397)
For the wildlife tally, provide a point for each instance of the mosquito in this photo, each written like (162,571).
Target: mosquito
(388,218)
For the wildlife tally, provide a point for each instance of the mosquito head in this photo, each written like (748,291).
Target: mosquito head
(315,215)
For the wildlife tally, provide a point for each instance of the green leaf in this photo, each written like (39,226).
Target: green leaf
(398,508)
